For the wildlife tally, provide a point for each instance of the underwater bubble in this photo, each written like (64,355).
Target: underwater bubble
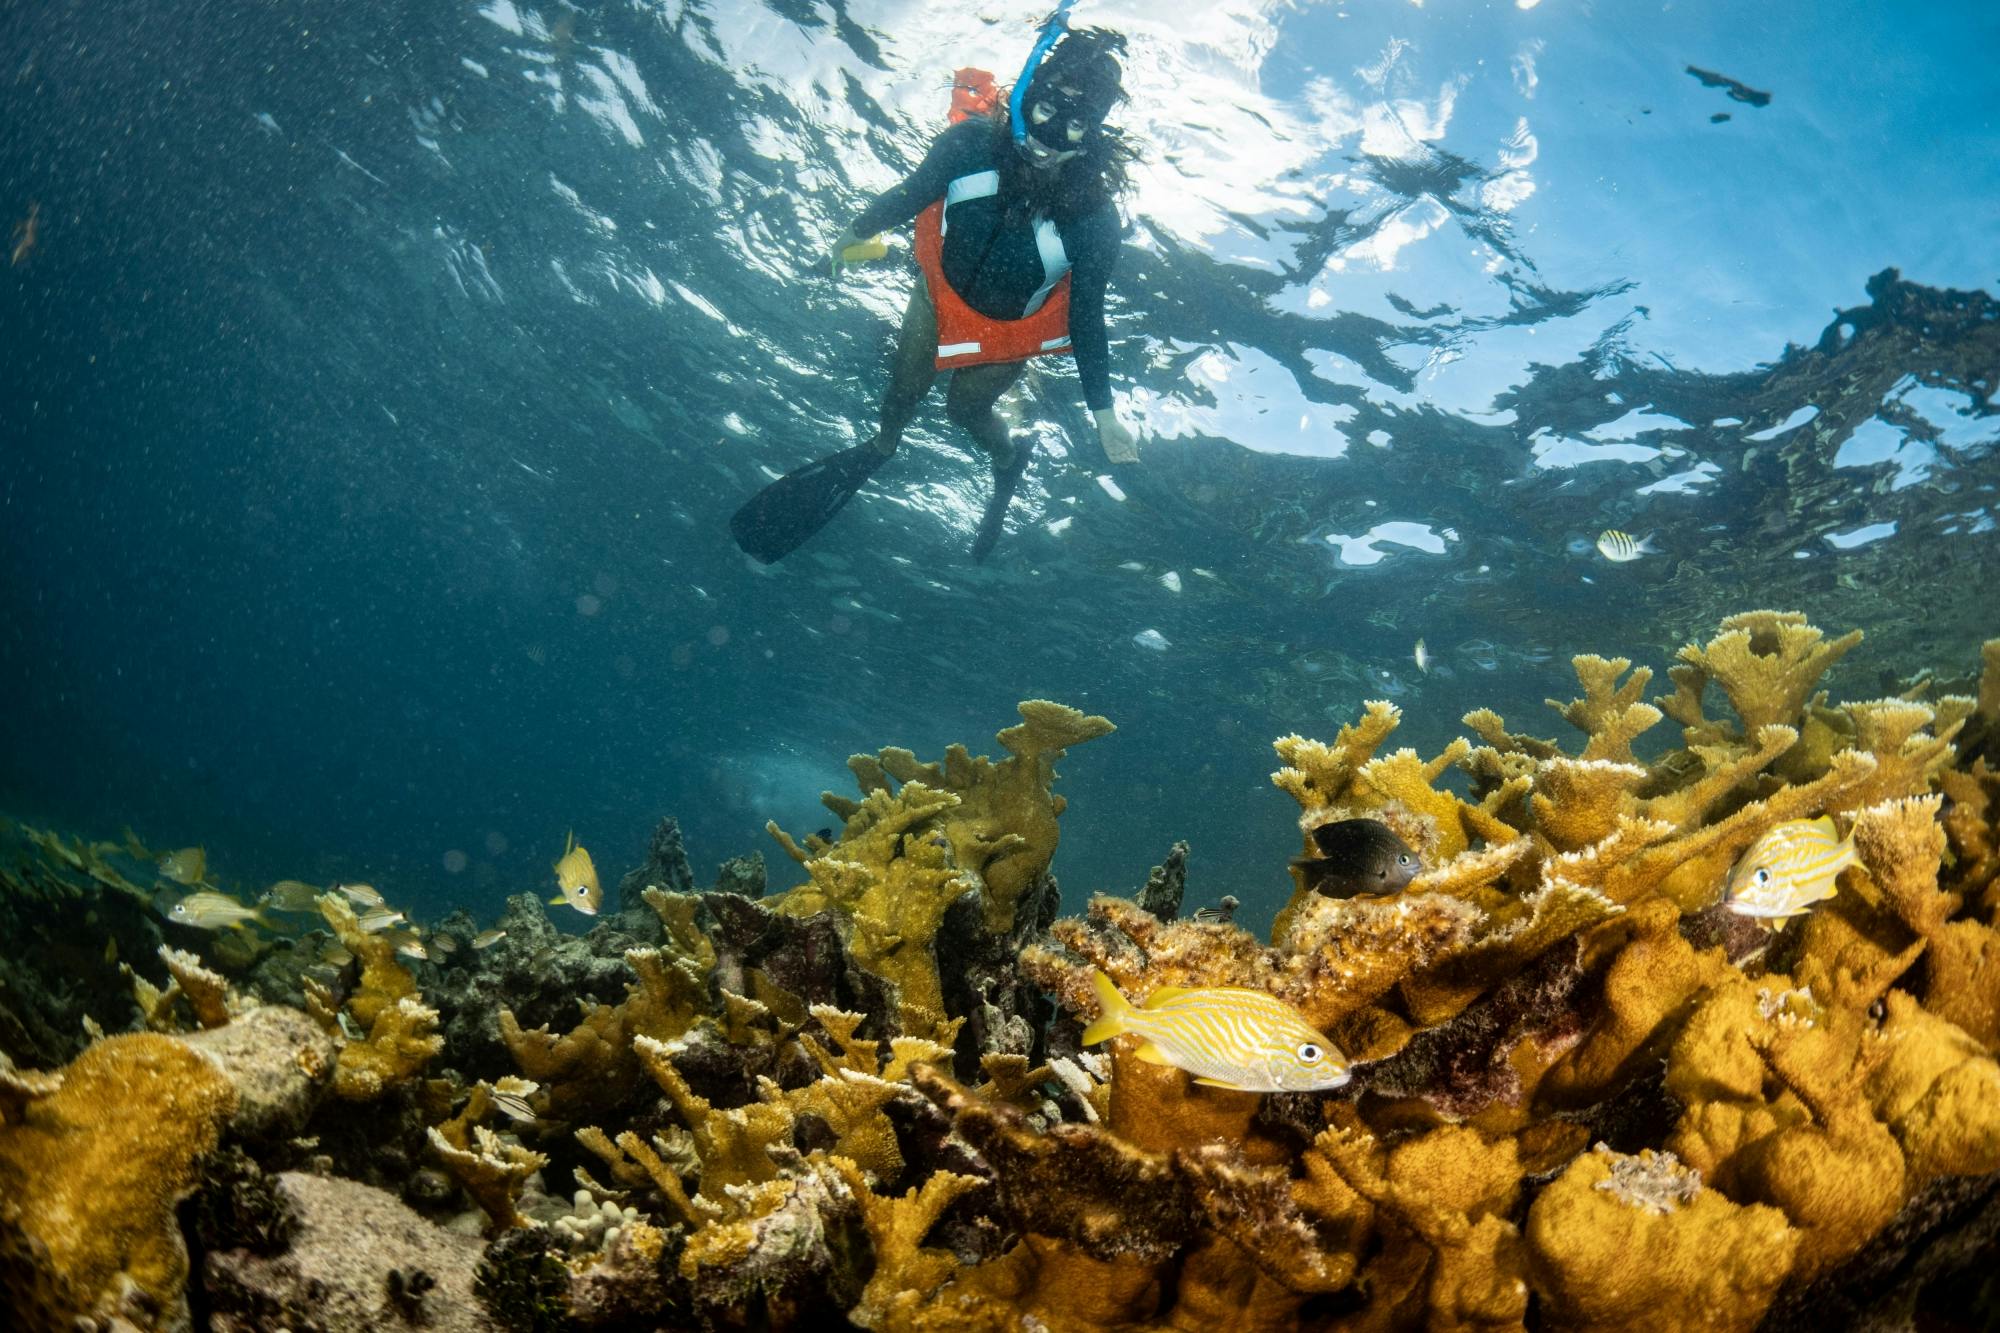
(718,635)
(840,624)
(588,604)
(496,843)
(455,862)
(605,584)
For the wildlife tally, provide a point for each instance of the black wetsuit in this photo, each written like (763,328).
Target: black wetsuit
(994,266)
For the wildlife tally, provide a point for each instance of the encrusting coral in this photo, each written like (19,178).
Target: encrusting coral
(1584,1094)
(90,1173)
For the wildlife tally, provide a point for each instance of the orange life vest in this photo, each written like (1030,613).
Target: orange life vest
(966,337)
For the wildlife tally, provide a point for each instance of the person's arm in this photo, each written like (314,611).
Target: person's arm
(922,187)
(1095,256)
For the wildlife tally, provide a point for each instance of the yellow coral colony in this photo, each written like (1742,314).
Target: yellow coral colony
(395,1031)
(1561,953)
(91,1167)
(905,853)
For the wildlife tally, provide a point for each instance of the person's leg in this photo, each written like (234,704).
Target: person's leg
(911,374)
(969,403)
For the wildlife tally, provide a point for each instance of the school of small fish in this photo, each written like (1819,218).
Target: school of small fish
(1789,869)
(1226,1036)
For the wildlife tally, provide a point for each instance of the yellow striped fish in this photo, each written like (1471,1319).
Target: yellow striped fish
(576,876)
(1789,869)
(1227,1037)
(1618,547)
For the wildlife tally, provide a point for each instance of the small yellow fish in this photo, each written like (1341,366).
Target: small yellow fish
(1789,869)
(444,944)
(292,895)
(486,939)
(187,866)
(1226,1036)
(408,943)
(1618,547)
(1421,658)
(209,910)
(577,878)
(362,895)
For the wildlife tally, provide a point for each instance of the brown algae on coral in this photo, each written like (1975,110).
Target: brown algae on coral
(1578,1095)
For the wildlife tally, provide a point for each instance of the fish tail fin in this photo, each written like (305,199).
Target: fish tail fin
(1112,1009)
(1646,544)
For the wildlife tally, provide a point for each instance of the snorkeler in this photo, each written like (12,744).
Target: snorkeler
(1017,233)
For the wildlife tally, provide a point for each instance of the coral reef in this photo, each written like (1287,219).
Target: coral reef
(1585,1092)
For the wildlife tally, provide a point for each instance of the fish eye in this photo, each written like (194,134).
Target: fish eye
(1762,876)
(1403,859)
(1309,1053)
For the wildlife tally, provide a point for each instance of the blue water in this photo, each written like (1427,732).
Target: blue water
(379,379)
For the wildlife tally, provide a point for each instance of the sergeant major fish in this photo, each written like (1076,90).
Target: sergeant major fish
(1619,547)
(1357,856)
(1789,869)
(1226,1036)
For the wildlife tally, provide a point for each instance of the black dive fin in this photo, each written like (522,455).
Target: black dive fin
(777,520)
(995,519)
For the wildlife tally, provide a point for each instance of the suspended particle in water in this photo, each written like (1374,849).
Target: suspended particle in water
(496,843)
(718,635)
(588,604)
(455,862)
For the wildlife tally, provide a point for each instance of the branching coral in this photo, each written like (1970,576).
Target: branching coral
(1003,825)
(888,882)
(1766,662)
(397,1031)
(492,1169)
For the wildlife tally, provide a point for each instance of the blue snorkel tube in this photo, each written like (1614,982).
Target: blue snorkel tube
(1053,27)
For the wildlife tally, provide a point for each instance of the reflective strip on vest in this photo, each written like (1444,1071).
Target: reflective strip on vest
(1055,263)
(1050,344)
(978,185)
(961,349)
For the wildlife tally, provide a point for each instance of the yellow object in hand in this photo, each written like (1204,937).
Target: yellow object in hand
(862,251)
